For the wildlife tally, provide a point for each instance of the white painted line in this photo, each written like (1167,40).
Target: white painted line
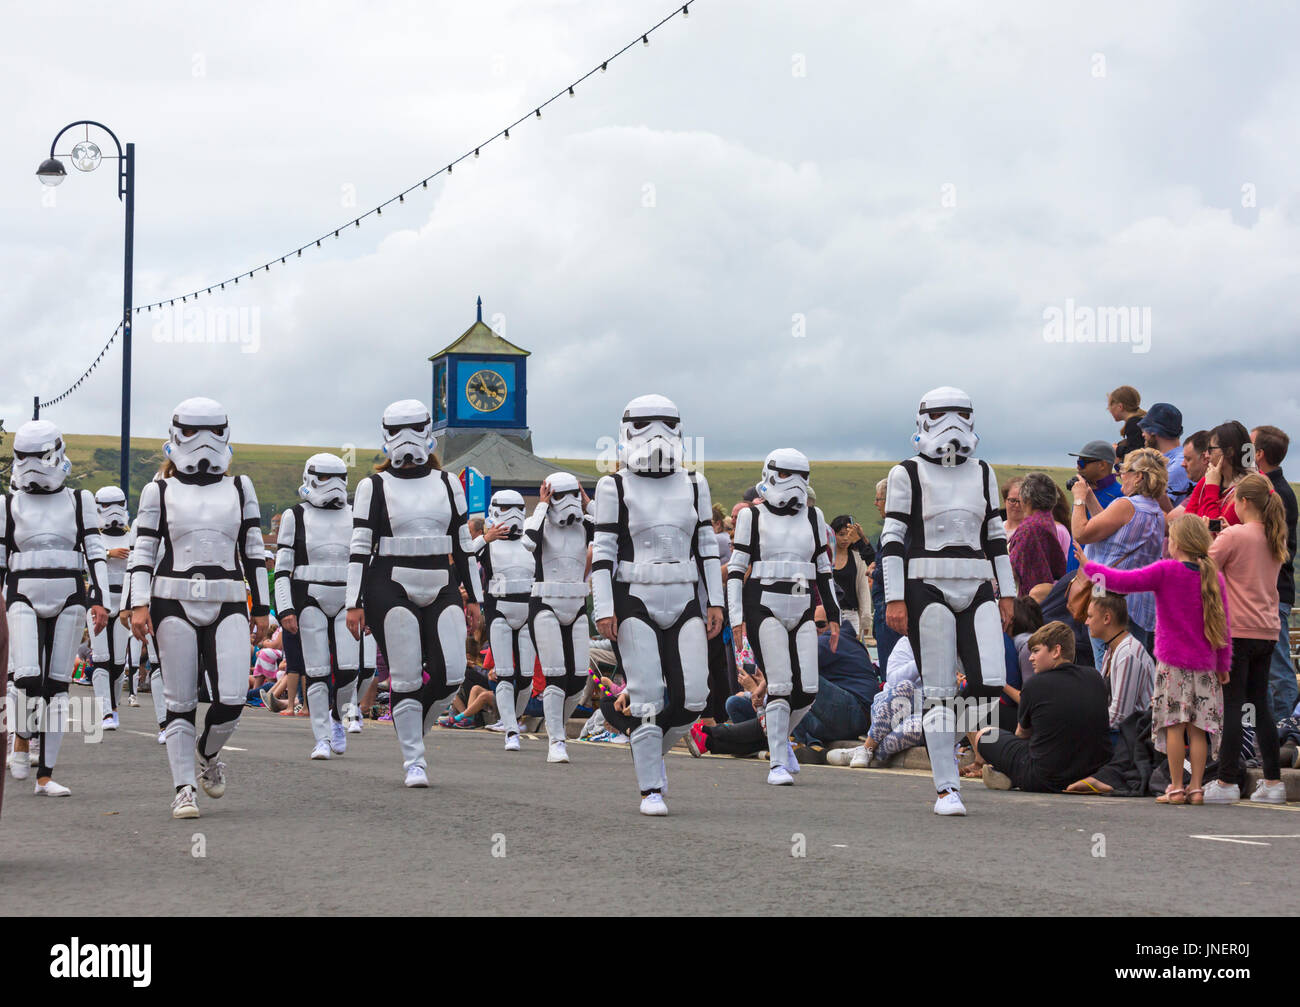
(1245,839)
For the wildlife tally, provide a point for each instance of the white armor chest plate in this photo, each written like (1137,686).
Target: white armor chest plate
(328,532)
(44,521)
(661,517)
(203,524)
(511,560)
(417,506)
(116,567)
(564,552)
(952,504)
(785,537)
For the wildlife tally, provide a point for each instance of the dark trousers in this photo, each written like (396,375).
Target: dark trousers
(1248,686)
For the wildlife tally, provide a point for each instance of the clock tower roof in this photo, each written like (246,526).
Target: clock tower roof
(479,338)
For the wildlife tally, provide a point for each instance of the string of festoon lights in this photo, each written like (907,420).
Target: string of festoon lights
(399,198)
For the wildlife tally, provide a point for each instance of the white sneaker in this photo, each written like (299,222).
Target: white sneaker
(162,736)
(417,777)
(841,756)
(354,726)
(557,752)
(212,775)
(20,764)
(499,727)
(779,776)
(1268,793)
(338,737)
(791,763)
(52,789)
(131,700)
(949,804)
(110,722)
(184,805)
(1218,792)
(322,750)
(512,742)
(653,805)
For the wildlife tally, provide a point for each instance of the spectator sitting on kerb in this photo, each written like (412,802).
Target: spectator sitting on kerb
(895,715)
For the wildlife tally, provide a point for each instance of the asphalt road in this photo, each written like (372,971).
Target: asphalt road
(506,833)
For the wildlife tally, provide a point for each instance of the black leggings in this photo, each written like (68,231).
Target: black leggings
(1248,683)
(744,738)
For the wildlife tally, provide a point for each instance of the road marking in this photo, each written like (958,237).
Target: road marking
(1245,839)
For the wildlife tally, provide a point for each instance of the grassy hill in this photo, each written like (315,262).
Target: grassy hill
(276,471)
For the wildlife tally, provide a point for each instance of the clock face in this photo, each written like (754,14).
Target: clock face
(486,390)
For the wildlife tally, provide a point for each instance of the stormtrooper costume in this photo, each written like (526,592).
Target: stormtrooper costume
(198,539)
(559,535)
(653,542)
(311,575)
(508,569)
(946,501)
(48,531)
(150,646)
(780,543)
(110,648)
(409,528)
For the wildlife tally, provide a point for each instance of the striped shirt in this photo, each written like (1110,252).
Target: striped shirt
(1131,674)
(1135,544)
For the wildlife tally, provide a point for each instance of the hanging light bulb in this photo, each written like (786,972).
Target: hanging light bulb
(476,152)
(570,90)
(604,67)
(539,113)
(645,39)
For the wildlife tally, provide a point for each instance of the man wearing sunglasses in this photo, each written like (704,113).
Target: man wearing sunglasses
(1096,464)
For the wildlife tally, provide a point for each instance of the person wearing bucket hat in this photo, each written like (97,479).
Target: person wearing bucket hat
(1163,428)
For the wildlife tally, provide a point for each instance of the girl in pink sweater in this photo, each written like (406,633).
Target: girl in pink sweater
(1193,650)
(1250,555)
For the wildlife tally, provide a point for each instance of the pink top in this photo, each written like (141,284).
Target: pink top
(1248,566)
(1180,617)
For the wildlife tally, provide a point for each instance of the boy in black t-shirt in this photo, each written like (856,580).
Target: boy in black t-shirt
(1064,728)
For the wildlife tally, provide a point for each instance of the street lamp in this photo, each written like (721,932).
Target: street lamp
(86,156)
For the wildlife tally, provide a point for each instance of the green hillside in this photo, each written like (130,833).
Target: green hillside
(276,471)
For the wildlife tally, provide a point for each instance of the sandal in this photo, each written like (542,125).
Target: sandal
(1172,795)
(974,771)
(1196,796)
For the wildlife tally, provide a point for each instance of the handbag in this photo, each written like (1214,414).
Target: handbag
(1080,593)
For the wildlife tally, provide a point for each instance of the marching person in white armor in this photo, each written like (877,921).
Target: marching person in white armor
(560,537)
(47,532)
(198,539)
(780,543)
(937,588)
(150,647)
(653,541)
(110,648)
(311,575)
(507,561)
(409,527)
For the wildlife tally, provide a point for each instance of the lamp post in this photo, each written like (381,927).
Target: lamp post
(85,156)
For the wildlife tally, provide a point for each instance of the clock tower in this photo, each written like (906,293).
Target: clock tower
(480,410)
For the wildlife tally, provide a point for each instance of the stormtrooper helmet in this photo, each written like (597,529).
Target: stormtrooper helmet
(40,458)
(785,479)
(944,424)
(324,481)
(507,511)
(650,437)
(110,502)
(566,499)
(408,434)
(199,441)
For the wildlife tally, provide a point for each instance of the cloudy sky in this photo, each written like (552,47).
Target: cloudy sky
(792,218)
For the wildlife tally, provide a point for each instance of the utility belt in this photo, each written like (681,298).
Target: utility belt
(221,589)
(508,588)
(331,574)
(560,589)
(782,569)
(415,545)
(949,568)
(47,562)
(680,572)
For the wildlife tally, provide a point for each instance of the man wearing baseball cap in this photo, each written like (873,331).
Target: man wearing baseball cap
(1096,464)
(1163,427)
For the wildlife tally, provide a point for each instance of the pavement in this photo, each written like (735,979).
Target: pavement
(502,832)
